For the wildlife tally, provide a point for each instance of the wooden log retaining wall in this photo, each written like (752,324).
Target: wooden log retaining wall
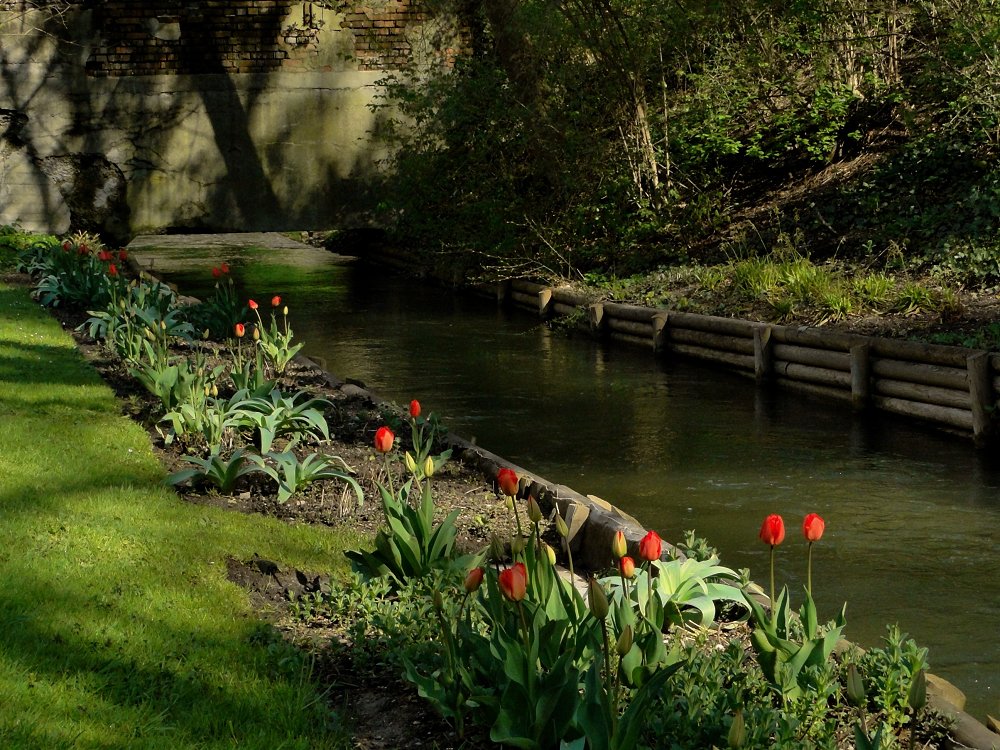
(950,386)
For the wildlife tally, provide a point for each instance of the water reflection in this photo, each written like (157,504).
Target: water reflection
(911,514)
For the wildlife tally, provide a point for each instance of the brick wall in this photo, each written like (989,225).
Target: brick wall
(248,36)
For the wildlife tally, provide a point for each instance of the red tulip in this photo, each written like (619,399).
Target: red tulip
(240,330)
(83,249)
(772,531)
(384,438)
(473,580)
(104,256)
(123,255)
(224,268)
(813,527)
(414,408)
(112,270)
(627,565)
(216,273)
(66,246)
(275,301)
(252,305)
(514,582)
(651,546)
(507,480)
(618,545)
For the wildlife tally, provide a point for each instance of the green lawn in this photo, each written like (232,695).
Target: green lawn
(118,628)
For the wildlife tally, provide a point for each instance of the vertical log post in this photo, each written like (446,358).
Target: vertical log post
(595,314)
(545,303)
(762,353)
(660,332)
(503,292)
(980,394)
(861,376)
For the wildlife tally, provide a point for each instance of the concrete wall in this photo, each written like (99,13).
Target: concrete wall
(124,117)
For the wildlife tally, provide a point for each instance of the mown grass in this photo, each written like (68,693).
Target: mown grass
(119,628)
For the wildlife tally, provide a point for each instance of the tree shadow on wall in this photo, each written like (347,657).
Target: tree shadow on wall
(204,49)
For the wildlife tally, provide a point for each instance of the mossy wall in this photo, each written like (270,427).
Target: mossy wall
(123,117)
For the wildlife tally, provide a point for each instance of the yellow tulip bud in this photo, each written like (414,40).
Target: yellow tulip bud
(215,391)
(411,464)
(429,467)
(256,334)
(561,526)
(284,310)
(550,553)
(618,545)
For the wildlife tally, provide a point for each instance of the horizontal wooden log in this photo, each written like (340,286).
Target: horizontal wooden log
(805,355)
(927,394)
(729,359)
(814,389)
(629,338)
(817,338)
(629,326)
(630,312)
(959,418)
(522,299)
(917,351)
(560,308)
(719,341)
(808,374)
(526,287)
(944,377)
(712,324)
(568,296)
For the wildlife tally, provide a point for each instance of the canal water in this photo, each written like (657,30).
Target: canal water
(912,514)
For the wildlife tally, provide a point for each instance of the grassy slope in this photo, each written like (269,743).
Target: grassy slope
(118,626)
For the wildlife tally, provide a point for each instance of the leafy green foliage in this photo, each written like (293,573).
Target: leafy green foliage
(224,473)
(292,473)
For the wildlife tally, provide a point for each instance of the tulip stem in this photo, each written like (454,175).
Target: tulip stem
(388,474)
(809,570)
(772,578)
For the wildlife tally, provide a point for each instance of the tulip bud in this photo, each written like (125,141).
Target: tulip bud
(738,730)
(163,325)
(252,304)
(284,310)
(384,438)
(208,390)
(414,409)
(627,566)
(916,698)
(772,531)
(856,693)
(256,333)
(507,480)
(150,335)
(618,545)
(411,464)
(534,512)
(496,548)
(651,547)
(510,503)
(550,553)
(517,545)
(597,598)
(624,644)
(514,582)
(215,391)
(240,330)
(813,527)
(429,467)
(561,526)
(275,301)
(473,580)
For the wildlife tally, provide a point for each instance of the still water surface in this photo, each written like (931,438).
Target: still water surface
(912,515)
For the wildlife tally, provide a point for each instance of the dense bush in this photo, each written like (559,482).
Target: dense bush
(613,136)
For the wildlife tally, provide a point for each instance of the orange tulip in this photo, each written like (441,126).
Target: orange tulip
(651,547)
(240,330)
(627,565)
(813,527)
(507,480)
(772,531)
(514,582)
(473,580)
(384,438)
